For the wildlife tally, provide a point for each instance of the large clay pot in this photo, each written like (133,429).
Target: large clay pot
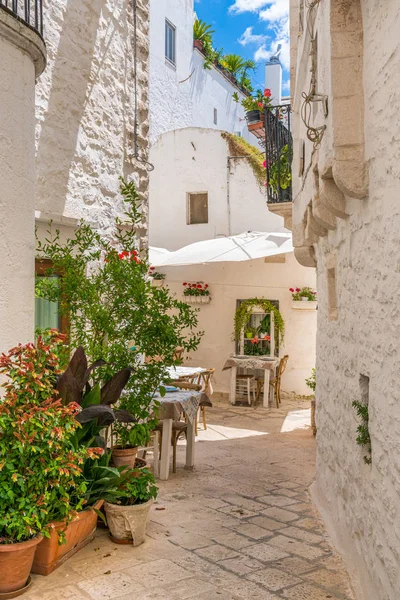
(124,457)
(15,564)
(128,523)
(79,532)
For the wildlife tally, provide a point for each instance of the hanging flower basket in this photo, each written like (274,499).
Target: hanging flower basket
(303,298)
(197,299)
(196,293)
(304,305)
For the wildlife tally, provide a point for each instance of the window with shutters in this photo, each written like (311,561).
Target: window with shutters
(197,208)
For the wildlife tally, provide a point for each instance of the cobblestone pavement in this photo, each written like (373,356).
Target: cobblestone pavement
(241,526)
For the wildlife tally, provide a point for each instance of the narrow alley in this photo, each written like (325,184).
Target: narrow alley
(241,526)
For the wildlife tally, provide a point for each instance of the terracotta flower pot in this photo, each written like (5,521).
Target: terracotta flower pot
(128,523)
(79,532)
(15,565)
(124,457)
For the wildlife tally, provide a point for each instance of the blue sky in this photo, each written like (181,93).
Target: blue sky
(251,28)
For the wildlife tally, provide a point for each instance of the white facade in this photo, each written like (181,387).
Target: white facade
(23,57)
(85,109)
(185,94)
(196,160)
(346,222)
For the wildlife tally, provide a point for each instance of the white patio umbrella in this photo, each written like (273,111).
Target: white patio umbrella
(246,246)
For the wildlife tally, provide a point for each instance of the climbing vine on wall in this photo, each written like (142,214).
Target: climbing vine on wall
(363,438)
(245,310)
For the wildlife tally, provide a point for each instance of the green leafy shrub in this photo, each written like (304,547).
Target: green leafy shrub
(39,465)
(311,382)
(114,312)
(363,438)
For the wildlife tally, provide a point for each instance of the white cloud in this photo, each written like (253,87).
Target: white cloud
(278,9)
(248,37)
(277,17)
(286,86)
(241,6)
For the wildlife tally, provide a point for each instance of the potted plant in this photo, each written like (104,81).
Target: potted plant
(39,466)
(255,106)
(196,293)
(250,332)
(202,33)
(128,440)
(127,516)
(311,382)
(96,415)
(264,327)
(157,279)
(303,298)
(280,174)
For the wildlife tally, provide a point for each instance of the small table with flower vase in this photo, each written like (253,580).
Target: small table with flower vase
(266,363)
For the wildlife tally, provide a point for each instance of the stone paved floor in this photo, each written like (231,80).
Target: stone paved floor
(240,527)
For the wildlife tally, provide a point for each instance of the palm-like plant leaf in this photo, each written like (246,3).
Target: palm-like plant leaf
(112,390)
(202,31)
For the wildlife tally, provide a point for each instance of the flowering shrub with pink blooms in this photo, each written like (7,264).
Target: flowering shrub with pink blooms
(196,289)
(304,292)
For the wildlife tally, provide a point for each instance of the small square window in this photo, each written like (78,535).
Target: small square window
(170,42)
(197,208)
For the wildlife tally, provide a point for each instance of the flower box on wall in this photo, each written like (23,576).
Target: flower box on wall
(304,305)
(197,299)
(157,282)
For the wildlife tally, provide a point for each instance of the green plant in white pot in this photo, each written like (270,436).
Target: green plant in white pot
(127,516)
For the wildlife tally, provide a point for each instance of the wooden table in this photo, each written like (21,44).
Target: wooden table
(266,363)
(171,406)
(177,373)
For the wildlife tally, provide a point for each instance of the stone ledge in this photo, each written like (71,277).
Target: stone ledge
(25,38)
(283,209)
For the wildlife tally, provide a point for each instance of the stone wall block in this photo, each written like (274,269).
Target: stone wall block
(305,255)
(331,197)
(322,215)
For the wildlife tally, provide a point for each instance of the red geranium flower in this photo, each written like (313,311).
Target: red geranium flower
(184,283)
(265,164)
(267,93)
(298,290)
(199,287)
(206,286)
(291,290)
(260,104)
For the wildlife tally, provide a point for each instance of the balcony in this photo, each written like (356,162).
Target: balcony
(272,130)
(29,12)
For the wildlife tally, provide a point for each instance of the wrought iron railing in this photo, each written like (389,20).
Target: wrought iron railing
(29,12)
(278,153)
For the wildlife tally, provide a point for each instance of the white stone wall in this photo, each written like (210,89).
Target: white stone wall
(196,160)
(186,95)
(360,503)
(86,108)
(20,49)
(230,282)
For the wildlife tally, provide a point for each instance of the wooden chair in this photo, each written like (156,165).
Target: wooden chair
(249,381)
(178,355)
(204,380)
(276,381)
(179,428)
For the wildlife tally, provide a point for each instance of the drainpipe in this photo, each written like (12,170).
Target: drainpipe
(228,193)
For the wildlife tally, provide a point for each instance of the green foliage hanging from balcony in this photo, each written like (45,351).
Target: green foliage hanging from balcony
(245,310)
(256,159)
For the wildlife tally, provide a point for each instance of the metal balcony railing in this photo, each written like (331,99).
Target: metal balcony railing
(29,12)
(278,153)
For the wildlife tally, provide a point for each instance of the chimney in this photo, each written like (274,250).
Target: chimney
(273,77)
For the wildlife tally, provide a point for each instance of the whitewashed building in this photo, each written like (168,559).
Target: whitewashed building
(183,93)
(346,221)
(91,127)
(200,191)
